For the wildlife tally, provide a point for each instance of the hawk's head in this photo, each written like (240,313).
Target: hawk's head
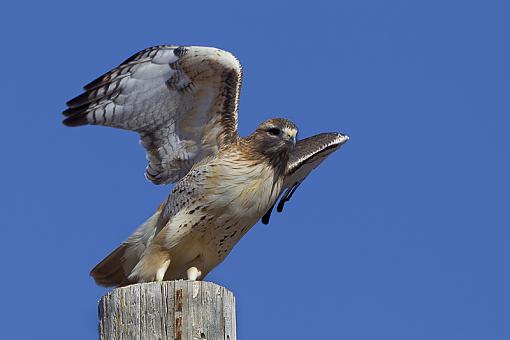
(275,138)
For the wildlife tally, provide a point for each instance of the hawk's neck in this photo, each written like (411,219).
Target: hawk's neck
(255,152)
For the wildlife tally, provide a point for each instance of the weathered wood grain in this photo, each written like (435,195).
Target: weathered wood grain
(177,310)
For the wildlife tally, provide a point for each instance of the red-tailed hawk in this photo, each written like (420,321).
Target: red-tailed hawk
(183,102)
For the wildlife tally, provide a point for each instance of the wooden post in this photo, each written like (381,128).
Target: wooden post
(173,310)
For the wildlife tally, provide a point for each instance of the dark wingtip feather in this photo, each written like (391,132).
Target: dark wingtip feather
(80,100)
(267,216)
(95,83)
(73,111)
(287,196)
(76,120)
(279,208)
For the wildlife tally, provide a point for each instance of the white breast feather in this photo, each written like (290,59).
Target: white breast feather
(245,190)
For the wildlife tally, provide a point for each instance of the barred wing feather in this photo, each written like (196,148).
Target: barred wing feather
(182,101)
(306,156)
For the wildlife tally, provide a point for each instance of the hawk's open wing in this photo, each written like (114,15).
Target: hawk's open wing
(306,156)
(182,100)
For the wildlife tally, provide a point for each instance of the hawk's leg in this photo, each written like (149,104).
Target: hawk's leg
(160,273)
(152,265)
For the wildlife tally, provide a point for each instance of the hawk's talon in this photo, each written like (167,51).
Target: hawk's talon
(193,273)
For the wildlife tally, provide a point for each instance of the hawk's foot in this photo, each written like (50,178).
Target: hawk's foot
(193,273)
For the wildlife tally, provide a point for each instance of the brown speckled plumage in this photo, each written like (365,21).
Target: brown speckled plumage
(183,101)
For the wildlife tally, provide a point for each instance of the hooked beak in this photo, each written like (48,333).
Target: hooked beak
(290,135)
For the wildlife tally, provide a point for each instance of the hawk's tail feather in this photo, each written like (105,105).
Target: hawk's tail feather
(109,271)
(115,268)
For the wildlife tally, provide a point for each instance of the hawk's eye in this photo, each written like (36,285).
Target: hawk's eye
(274,131)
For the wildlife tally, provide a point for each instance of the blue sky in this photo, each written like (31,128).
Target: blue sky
(402,234)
